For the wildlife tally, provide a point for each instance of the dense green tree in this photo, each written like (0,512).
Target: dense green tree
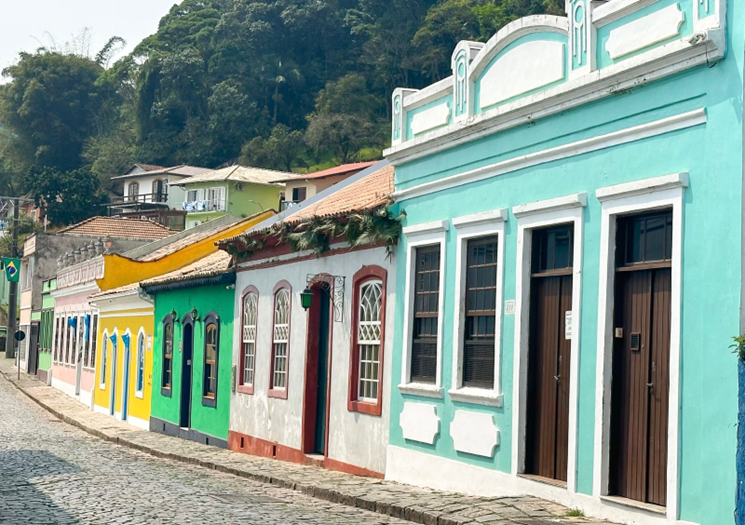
(51,107)
(279,151)
(68,197)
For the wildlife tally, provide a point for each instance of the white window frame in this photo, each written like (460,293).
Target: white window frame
(220,202)
(198,194)
(140,393)
(637,197)
(276,341)
(247,339)
(542,214)
(103,371)
(478,225)
(419,235)
(359,342)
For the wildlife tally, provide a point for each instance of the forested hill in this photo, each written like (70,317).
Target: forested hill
(285,84)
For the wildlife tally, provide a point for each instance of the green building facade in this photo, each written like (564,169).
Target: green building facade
(191,311)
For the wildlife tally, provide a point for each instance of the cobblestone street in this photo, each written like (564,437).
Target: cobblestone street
(53,473)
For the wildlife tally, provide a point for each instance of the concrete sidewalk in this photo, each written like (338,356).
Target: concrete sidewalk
(416,504)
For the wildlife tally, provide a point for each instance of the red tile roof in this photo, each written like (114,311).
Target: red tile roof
(344,169)
(119,227)
(149,167)
(214,264)
(369,192)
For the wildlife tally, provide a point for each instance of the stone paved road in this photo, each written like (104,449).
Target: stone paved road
(52,473)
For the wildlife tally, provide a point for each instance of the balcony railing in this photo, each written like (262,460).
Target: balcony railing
(290,204)
(204,206)
(140,198)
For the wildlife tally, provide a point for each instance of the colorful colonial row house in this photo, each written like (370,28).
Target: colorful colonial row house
(568,278)
(314,300)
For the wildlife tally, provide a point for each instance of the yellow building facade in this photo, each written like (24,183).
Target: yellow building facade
(124,361)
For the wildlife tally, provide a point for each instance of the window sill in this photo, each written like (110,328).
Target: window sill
(209,402)
(140,395)
(477,396)
(372,409)
(277,393)
(421,390)
(165,392)
(102,386)
(245,389)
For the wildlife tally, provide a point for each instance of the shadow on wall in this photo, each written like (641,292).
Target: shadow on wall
(19,493)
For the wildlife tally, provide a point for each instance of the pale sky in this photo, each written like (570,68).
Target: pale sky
(26,23)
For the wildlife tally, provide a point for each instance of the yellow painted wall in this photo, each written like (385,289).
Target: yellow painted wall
(120,271)
(121,321)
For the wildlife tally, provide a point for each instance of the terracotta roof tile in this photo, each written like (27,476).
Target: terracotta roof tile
(149,167)
(371,191)
(213,264)
(239,174)
(344,169)
(115,291)
(120,228)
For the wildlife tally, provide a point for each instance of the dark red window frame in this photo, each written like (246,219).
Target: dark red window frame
(242,387)
(280,393)
(368,273)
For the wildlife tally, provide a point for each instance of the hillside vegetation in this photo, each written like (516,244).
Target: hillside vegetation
(285,84)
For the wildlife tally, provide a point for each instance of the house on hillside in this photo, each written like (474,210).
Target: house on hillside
(152,192)
(43,256)
(301,187)
(236,190)
(569,274)
(312,334)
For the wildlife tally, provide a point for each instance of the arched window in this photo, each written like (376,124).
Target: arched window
(160,192)
(167,372)
(104,358)
(140,370)
(280,342)
(211,345)
(133,190)
(368,325)
(248,346)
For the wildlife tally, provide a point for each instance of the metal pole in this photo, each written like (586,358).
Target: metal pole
(10,341)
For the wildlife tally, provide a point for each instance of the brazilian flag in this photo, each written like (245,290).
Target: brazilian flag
(12,269)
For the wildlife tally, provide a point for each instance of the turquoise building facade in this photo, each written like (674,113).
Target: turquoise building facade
(569,278)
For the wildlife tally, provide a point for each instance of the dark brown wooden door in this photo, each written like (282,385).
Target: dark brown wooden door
(549,359)
(641,358)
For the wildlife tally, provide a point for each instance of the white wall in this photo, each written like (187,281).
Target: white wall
(354,438)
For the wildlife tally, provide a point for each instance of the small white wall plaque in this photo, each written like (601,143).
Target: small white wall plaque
(568,325)
(509,307)
(419,422)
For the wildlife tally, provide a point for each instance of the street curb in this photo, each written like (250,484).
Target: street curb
(413,514)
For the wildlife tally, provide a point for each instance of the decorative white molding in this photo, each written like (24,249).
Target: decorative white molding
(527,67)
(421,390)
(514,30)
(624,136)
(640,187)
(477,396)
(644,32)
(577,200)
(429,94)
(474,433)
(430,118)
(656,63)
(419,422)
(604,14)
(426,227)
(484,217)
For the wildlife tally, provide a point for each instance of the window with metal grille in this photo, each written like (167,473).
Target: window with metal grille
(140,372)
(553,249)
(104,358)
(93,339)
(369,329)
(250,315)
(167,352)
(57,351)
(644,239)
(280,338)
(480,322)
(211,331)
(426,315)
